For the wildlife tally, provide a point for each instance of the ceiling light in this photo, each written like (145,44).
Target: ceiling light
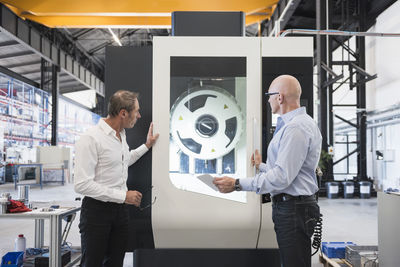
(116,39)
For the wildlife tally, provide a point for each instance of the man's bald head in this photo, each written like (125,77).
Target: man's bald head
(289,92)
(287,85)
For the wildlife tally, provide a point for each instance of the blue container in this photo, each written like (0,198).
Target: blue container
(13,259)
(335,249)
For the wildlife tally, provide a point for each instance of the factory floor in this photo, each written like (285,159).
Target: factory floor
(352,220)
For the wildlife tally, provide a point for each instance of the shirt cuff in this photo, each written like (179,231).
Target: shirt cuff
(120,196)
(247,184)
(142,150)
(262,167)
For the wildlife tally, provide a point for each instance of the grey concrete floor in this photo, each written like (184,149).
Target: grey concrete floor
(352,220)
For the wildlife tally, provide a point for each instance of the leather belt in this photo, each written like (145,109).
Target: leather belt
(286,197)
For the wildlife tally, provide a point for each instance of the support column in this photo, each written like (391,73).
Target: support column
(55,71)
(55,241)
(39,233)
(361,97)
(330,137)
(321,73)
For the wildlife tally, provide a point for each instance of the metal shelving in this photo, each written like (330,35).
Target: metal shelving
(25,121)
(23,113)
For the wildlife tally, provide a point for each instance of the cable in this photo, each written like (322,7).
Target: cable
(371,260)
(260,224)
(36,251)
(316,244)
(68,246)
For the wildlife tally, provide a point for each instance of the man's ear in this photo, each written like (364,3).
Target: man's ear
(280,98)
(123,113)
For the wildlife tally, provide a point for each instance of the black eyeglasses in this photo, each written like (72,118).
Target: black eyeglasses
(269,94)
(151,203)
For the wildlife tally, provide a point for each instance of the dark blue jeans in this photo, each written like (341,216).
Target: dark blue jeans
(294,226)
(104,233)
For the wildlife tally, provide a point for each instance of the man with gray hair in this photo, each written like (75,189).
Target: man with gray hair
(102,158)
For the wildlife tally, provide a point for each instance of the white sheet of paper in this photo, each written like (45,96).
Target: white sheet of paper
(208,180)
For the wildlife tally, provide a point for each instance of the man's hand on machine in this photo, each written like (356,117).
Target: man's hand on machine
(255,159)
(133,198)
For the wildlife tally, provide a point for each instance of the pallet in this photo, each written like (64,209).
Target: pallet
(328,262)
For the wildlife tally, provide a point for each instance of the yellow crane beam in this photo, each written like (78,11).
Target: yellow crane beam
(124,13)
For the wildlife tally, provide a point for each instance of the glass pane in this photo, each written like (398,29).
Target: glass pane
(207,122)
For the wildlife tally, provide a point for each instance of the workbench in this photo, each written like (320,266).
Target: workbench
(55,219)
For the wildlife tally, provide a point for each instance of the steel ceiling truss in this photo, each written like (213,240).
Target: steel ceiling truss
(52,46)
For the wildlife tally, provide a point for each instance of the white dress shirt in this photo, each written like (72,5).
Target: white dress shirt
(101,163)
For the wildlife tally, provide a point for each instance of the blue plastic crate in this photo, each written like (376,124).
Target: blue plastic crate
(13,259)
(335,249)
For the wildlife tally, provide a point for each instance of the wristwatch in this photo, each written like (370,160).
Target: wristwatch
(238,187)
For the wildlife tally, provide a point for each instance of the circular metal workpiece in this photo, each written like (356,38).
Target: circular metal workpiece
(206,125)
(206,122)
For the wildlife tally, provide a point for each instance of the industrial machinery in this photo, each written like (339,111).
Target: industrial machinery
(208,106)
(207,97)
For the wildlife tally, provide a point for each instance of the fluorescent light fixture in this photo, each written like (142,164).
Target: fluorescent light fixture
(116,39)
(86,98)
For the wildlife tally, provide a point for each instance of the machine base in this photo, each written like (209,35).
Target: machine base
(206,257)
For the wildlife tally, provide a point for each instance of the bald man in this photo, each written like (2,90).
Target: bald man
(289,173)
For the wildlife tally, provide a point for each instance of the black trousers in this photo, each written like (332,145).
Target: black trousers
(294,222)
(104,233)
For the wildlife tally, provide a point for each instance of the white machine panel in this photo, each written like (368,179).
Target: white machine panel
(280,47)
(206,127)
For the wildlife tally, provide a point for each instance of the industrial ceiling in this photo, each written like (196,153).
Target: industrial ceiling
(82,29)
(132,14)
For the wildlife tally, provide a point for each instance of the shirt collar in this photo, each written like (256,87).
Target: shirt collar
(290,115)
(108,129)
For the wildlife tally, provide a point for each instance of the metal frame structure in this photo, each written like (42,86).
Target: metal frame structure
(343,15)
(48,44)
(356,21)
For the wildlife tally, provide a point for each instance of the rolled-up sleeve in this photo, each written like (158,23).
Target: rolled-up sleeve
(293,149)
(86,159)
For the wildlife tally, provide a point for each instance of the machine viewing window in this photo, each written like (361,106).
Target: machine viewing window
(207,122)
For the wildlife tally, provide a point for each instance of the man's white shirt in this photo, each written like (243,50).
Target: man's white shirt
(101,163)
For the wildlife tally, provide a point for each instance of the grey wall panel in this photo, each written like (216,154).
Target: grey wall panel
(92,80)
(68,60)
(75,69)
(8,20)
(46,48)
(54,54)
(23,31)
(130,68)
(207,23)
(87,76)
(96,83)
(35,40)
(62,59)
(82,73)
